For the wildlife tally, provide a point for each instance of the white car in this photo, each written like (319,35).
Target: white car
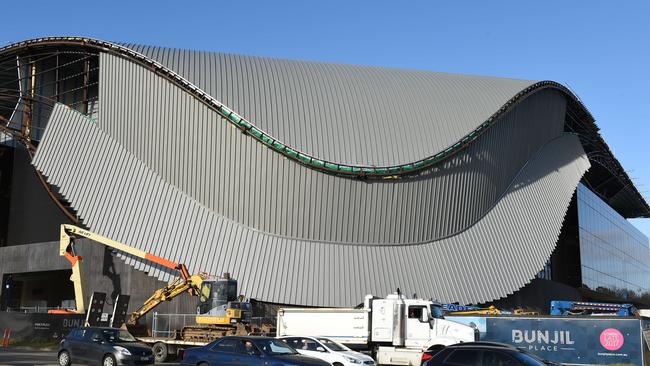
(328,350)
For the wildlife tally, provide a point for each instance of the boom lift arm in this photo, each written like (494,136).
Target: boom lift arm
(185,283)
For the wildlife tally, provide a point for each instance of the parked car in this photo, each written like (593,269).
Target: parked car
(247,351)
(108,346)
(328,350)
(482,354)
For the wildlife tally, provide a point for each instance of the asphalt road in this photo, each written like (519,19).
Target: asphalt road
(26,357)
(23,357)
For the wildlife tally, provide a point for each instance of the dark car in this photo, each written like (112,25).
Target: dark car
(108,346)
(482,354)
(247,351)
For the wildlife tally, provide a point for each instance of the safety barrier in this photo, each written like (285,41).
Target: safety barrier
(6,336)
(38,326)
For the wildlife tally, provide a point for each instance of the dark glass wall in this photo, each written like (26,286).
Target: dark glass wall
(6,170)
(27,212)
(564,263)
(615,256)
(33,216)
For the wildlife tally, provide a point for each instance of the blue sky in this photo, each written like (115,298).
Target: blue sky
(600,49)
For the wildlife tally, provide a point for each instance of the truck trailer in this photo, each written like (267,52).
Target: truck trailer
(395,329)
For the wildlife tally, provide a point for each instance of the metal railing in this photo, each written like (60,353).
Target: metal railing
(32,309)
(168,325)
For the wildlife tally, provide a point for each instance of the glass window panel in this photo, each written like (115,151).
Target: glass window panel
(614,254)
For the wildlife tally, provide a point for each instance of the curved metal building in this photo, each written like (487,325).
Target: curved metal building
(311,183)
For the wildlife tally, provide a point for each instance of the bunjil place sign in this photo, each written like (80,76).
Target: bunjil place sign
(572,340)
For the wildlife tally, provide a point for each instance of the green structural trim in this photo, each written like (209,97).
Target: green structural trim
(393,171)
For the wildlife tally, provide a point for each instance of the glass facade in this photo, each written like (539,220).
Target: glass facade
(614,255)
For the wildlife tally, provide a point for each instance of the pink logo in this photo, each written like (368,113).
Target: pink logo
(612,339)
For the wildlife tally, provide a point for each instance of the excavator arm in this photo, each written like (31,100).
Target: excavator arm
(167,293)
(185,283)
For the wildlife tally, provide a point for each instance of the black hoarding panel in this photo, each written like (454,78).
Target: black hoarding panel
(94,314)
(39,325)
(120,310)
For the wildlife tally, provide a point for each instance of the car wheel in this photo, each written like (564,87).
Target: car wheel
(203,364)
(109,360)
(160,353)
(337,364)
(64,358)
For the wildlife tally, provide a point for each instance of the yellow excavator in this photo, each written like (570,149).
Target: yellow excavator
(220,309)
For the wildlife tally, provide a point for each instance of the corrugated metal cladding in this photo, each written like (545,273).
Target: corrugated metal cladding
(120,196)
(344,113)
(194,149)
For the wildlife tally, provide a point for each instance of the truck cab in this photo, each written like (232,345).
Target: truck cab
(396,329)
(414,323)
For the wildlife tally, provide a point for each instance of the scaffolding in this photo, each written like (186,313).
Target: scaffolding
(32,81)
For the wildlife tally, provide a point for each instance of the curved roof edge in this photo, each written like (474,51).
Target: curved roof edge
(313,162)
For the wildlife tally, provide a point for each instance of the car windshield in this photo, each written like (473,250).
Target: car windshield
(118,335)
(337,347)
(274,347)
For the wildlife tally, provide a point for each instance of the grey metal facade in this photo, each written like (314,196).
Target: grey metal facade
(345,113)
(162,168)
(481,263)
(197,151)
(614,255)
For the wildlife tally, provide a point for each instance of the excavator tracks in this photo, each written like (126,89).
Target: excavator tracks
(209,333)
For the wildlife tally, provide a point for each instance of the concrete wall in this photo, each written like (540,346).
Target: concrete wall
(102,271)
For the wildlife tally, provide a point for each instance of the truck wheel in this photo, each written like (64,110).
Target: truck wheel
(159,352)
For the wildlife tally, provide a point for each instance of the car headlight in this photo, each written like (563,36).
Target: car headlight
(351,360)
(122,350)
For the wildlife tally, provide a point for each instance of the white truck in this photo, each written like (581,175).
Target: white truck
(395,329)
